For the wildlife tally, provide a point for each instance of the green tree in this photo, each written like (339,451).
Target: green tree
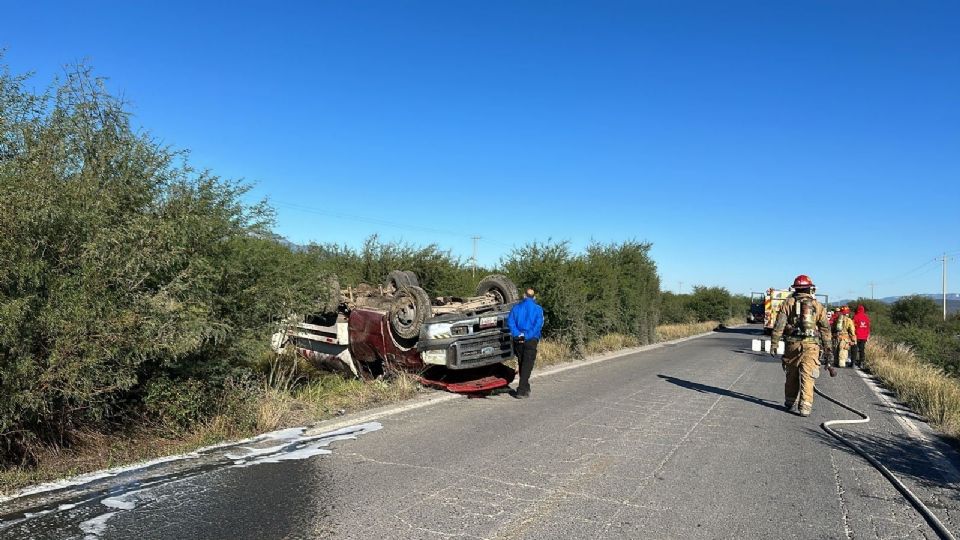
(915,310)
(551,269)
(609,288)
(120,265)
(710,303)
(439,272)
(674,308)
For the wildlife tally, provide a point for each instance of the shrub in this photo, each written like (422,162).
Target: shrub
(611,288)
(915,310)
(710,303)
(675,309)
(124,273)
(439,272)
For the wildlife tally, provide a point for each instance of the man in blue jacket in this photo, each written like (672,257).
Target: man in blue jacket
(526,322)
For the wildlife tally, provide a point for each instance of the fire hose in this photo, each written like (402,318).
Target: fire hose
(935,523)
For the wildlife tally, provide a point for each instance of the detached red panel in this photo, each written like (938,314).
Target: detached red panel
(471,381)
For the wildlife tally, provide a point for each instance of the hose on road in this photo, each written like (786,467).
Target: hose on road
(935,523)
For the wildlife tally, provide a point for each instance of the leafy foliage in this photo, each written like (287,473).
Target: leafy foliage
(612,288)
(914,310)
(120,265)
(917,321)
(439,272)
(704,304)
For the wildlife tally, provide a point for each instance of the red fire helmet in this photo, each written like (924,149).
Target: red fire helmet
(802,282)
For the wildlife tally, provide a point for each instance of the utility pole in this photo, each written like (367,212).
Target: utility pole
(944,286)
(871,289)
(680,287)
(474,258)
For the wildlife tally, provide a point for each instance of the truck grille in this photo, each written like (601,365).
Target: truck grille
(488,349)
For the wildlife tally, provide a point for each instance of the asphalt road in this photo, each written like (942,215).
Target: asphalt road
(683,441)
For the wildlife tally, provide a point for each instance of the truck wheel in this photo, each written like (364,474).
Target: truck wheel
(396,280)
(499,286)
(411,306)
(414,280)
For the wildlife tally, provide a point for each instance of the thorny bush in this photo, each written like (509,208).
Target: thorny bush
(127,278)
(610,288)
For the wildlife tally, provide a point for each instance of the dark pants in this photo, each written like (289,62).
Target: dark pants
(859,352)
(526,356)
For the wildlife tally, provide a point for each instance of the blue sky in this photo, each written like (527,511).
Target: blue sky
(748,142)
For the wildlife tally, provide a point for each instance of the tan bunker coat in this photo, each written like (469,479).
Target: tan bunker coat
(801,356)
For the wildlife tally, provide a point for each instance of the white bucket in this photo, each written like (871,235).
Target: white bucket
(755,345)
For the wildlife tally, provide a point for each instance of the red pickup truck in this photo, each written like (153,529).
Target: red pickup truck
(458,344)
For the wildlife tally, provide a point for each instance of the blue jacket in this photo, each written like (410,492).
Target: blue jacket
(526,318)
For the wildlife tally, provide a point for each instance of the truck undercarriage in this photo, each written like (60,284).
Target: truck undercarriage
(454,343)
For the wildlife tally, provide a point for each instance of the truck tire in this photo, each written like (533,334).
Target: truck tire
(501,287)
(396,280)
(414,280)
(410,307)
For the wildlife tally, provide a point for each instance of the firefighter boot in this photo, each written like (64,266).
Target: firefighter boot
(805,408)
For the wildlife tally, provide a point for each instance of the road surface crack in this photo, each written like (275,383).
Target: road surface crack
(844,511)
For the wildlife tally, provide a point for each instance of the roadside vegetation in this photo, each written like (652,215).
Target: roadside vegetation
(138,294)
(922,386)
(917,354)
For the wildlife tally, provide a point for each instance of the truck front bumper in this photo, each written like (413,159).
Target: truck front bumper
(465,352)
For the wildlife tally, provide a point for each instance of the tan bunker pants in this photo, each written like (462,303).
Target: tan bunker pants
(800,360)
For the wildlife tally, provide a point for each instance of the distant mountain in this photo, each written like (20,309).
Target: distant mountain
(283,241)
(953,300)
(933,296)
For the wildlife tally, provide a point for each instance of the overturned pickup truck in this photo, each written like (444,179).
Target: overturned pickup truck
(453,343)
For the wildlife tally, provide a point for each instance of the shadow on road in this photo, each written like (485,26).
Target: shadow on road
(749,331)
(904,457)
(758,356)
(704,388)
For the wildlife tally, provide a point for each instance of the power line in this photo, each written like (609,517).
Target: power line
(373,220)
(367,219)
(909,272)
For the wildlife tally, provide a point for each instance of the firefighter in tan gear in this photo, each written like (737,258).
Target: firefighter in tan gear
(802,322)
(844,336)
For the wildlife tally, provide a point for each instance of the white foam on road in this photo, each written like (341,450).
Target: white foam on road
(249,451)
(84,479)
(295,444)
(93,528)
(127,501)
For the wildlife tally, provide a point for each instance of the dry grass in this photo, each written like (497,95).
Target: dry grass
(667,332)
(327,397)
(612,342)
(551,352)
(333,395)
(95,451)
(925,388)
